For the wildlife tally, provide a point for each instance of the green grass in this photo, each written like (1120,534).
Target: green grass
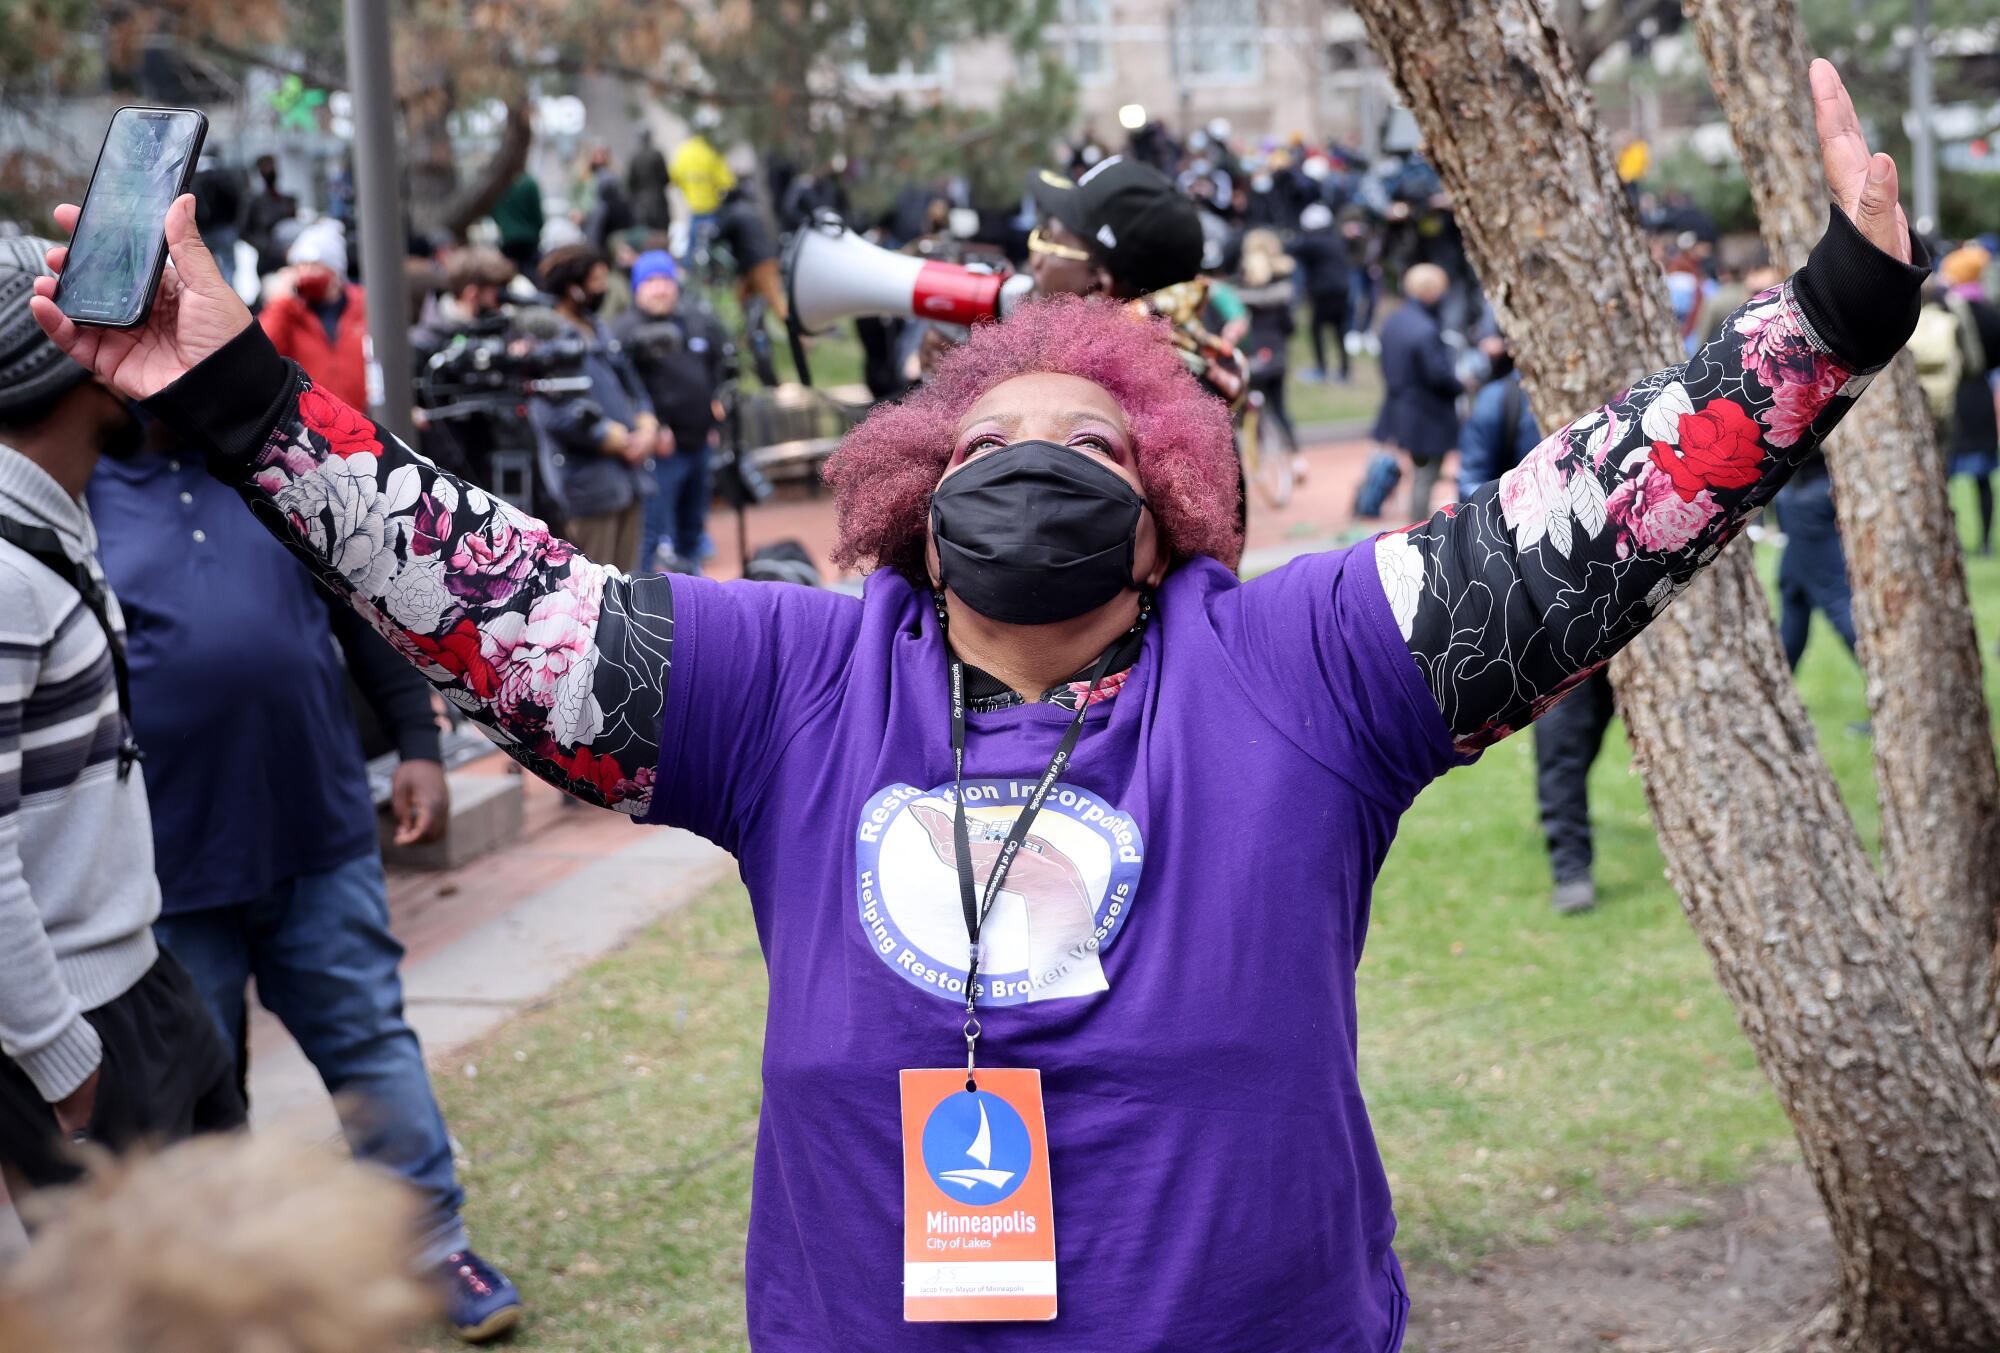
(1524,1073)
(608,1138)
(1331,402)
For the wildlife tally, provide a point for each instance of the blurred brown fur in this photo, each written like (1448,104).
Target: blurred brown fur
(234,1244)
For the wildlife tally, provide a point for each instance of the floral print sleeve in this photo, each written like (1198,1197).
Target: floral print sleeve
(563,661)
(1513,597)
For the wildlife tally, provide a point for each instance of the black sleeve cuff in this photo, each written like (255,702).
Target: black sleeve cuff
(1861,303)
(229,402)
(419,743)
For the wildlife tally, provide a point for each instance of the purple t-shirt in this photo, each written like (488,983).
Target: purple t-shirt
(1216,835)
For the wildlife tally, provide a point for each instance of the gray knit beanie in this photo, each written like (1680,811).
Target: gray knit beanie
(33,369)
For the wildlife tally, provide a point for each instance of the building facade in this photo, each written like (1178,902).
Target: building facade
(1271,67)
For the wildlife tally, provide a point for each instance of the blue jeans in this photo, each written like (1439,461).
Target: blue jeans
(325,963)
(701,228)
(677,513)
(1361,292)
(1812,575)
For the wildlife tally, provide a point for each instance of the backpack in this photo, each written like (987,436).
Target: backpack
(1377,483)
(1940,347)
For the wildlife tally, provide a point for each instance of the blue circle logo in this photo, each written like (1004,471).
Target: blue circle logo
(1059,911)
(976,1148)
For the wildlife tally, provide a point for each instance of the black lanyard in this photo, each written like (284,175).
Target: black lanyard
(1017,835)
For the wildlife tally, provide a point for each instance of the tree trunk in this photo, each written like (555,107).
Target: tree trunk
(1893,1119)
(502,167)
(430,159)
(1934,767)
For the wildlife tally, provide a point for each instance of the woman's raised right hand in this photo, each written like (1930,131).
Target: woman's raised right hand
(194,313)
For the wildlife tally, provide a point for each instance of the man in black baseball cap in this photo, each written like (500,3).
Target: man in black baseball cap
(1123,230)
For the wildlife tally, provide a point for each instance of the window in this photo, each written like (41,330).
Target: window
(929,69)
(1219,41)
(1081,38)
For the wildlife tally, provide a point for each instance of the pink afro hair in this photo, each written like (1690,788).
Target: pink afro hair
(883,473)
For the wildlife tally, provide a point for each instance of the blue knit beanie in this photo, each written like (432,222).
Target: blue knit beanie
(654,263)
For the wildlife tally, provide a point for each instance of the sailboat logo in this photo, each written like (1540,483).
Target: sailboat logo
(981,1153)
(976,1148)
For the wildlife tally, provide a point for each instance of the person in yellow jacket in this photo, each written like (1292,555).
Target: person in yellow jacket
(699,171)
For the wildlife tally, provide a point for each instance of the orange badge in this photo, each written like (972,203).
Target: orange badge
(979,1236)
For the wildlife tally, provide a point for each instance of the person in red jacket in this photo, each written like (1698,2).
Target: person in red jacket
(321,320)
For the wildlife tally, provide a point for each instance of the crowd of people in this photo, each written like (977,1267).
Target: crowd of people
(188,808)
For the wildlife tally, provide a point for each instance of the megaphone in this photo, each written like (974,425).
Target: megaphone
(832,274)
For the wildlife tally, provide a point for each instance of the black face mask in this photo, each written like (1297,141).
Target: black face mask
(1034,533)
(590,302)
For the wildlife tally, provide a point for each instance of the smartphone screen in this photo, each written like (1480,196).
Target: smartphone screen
(120,241)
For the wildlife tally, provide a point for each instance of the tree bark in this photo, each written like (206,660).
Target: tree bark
(1934,767)
(430,159)
(501,168)
(1892,1117)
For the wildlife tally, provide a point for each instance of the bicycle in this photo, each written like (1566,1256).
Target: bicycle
(1266,452)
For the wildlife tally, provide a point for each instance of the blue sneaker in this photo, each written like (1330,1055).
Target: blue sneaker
(480,1302)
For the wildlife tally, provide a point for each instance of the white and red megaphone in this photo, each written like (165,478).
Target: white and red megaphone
(832,274)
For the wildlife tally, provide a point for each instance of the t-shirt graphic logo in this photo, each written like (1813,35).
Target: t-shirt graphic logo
(1048,881)
(976,1148)
(1063,902)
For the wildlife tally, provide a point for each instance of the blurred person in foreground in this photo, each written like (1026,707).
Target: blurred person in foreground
(603,442)
(1048,523)
(238,1244)
(318,318)
(1420,384)
(680,353)
(102,1035)
(1498,434)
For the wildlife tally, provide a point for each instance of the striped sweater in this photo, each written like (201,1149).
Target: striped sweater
(77,892)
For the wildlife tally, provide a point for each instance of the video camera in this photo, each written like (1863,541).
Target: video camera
(475,392)
(490,358)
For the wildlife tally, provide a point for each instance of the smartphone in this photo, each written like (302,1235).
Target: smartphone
(120,243)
